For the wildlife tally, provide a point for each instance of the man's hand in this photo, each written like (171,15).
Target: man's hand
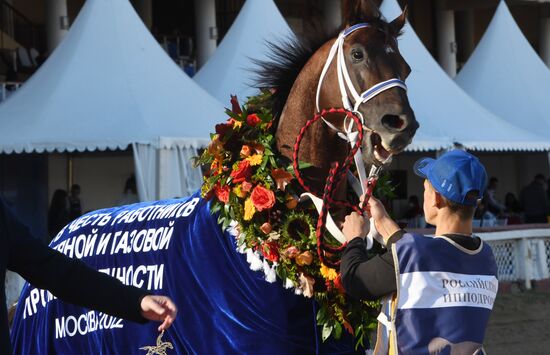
(354,226)
(160,309)
(383,222)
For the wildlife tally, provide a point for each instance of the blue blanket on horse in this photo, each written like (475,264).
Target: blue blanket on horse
(172,247)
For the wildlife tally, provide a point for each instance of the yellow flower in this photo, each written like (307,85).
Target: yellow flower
(239,192)
(328,273)
(255,159)
(237,124)
(249,209)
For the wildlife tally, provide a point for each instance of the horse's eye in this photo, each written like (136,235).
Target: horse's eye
(357,55)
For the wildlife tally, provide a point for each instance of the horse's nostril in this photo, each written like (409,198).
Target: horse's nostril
(393,122)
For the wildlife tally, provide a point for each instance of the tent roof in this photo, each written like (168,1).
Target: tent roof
(229,70)
(507,76)
(107,85)
(445,112)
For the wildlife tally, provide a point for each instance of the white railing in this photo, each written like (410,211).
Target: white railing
(7,88)
(521,254)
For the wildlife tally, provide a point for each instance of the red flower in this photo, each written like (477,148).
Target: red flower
(270,251)
(222,192)
(253,120)
(243,171)
(235,107)
(262,198)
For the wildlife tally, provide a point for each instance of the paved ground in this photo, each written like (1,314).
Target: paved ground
(519,324)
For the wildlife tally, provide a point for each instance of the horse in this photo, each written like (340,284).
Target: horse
(176,247)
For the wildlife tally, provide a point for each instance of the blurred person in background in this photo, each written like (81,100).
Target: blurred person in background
(534,202)
(58,213)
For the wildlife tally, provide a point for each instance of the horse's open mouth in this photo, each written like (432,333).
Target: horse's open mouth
(381,154)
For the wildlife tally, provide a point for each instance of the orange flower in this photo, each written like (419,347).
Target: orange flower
(245,151)
(328,273)
(262,198)
(266,228)
(249,210)
(306,258)
(291,202)
(235,123)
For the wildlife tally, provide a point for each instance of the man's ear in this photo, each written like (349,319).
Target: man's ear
(438,200)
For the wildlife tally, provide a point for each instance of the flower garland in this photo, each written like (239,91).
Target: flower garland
(254,191)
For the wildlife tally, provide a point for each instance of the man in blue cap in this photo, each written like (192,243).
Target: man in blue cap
(438,291)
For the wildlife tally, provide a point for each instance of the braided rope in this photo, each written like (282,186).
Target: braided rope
(336,173)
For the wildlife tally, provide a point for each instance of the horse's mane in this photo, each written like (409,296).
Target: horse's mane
(288,57)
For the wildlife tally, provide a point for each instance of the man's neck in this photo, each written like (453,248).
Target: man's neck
(448,223)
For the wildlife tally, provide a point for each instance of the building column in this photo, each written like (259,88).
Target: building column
(446,41)
(7,20)
(332,13)
(545,39)
(145,10)
(465,34)
(57,22)
(206,32)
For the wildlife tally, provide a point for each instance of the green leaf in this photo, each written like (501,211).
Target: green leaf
(216,207)
(322,315)
(327,331)
(272,160)
(337,330)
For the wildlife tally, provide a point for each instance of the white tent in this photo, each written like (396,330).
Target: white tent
(445,111)
(229,70)
(110,85)
(507,76)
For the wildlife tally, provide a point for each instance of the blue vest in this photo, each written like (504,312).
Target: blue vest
(444,296)
(176,248)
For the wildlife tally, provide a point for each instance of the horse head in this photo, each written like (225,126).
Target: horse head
(304,78)
(371,58)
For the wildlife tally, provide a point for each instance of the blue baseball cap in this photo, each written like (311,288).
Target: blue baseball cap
(454,174)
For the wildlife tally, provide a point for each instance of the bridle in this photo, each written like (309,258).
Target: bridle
(353,119)
(345,84)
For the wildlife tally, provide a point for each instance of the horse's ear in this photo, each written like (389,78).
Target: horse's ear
(356,11)
(397,24)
